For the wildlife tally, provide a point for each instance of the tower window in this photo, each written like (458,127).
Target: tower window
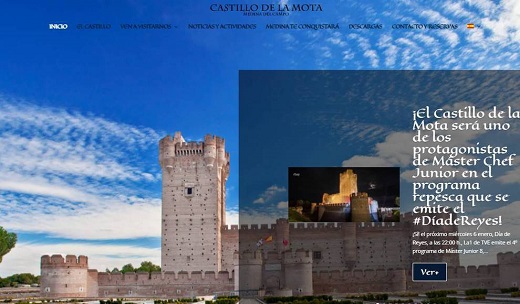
(189,189)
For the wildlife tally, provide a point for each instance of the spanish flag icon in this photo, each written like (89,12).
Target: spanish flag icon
(470,25)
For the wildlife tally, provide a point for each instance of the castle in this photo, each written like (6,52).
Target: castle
(347,187)
(201,255)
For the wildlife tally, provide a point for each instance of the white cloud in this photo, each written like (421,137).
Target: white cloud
(232,217)
(269,194)
(76,176)
(374,58)
(511,177)
(282,205)
(488,47)
(457,9)
(503,20)
(397,148)
(116,217)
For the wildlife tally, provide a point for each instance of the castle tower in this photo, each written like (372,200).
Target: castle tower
(348,183)
(282,234)
(194,176)
(251,268)
(64,277)
(359,205)
(298,272)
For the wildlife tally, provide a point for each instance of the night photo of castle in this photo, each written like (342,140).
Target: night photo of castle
(332,194)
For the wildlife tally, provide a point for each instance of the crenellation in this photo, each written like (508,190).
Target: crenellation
(57,259)
(230,227)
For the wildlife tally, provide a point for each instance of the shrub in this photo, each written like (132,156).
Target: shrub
(441,301)
(407,294)
(311,300)
(440,293)
(477,291)
(476,297)
(515,294)
(508,290)
(375,297)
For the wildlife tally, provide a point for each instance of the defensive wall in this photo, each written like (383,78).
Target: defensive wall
(291,272)
(164,284)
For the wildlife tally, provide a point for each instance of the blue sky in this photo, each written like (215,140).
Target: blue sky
(81,111)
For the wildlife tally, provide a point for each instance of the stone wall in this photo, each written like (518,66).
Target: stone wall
(64,277)
(362,281)
(166,285)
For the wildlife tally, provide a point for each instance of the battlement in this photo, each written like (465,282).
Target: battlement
(159,278)
(316,226)
(169,140)
(298,256)
(177,146)
(473,272)
(508,258)
(356,275)
(210,139)
(214,140)
(371,225)
(57,261)
(251,258)
(189,148)
(246,227)
(221,142)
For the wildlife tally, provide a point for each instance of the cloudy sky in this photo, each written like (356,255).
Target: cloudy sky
(81,111)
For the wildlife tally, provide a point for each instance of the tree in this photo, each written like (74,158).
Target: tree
(7,242)
(19,278)
(148,266)
(128,268)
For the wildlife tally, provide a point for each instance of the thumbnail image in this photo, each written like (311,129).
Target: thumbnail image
(339,194)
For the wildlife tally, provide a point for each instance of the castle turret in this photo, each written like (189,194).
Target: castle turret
(509,268)
(62,278)
(282,234)
(298,271)
(348,183)
(167,150)
(359,207)
(210,150)
(251,270)
(222,158)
